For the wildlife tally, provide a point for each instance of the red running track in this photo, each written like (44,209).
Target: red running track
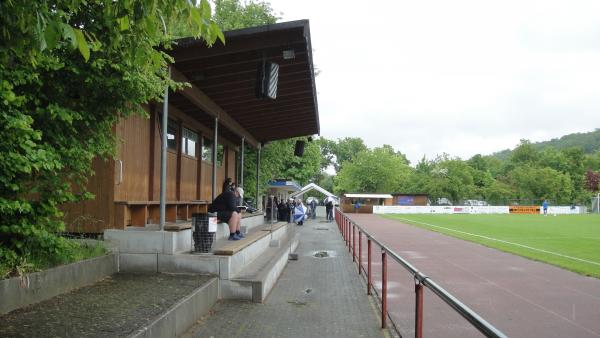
(520,297)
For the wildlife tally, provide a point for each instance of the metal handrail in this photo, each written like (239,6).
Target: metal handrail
(420,280)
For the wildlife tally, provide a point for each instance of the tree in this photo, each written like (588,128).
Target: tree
(68,71)
(538,183)
(232,14)
(524,153)
(327,152)
(345,149)
(592,180)
(454,179)
(372,171)
(278,161)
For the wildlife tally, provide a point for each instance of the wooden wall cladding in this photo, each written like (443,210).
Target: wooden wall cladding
(231,163)
(206,181)
(189,177)
(133,155)
(155,193)
(127,189)
(171,176)
(95,215)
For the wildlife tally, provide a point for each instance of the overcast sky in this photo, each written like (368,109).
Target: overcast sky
(460,77)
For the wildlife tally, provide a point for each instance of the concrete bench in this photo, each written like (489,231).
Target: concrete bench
(232,247)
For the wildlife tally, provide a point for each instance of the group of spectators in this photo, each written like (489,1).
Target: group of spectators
(294,210)
(230,204)
(286,211)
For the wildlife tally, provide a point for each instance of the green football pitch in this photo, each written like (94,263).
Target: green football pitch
(568,241)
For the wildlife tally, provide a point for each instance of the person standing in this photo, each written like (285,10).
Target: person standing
(329,208)
(299,212)
(313,207)
(545,207)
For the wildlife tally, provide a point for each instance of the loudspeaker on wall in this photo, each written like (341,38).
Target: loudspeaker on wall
(299,151)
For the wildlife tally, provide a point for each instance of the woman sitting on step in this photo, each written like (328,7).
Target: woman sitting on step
(225,205)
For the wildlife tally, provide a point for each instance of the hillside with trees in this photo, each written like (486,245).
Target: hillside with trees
(588,142)
(527,176)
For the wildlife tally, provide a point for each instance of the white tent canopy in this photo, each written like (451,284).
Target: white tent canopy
(309,187)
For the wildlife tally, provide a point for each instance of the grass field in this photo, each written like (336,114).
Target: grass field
(568,241)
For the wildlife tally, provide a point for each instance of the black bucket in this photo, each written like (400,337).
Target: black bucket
(203,240)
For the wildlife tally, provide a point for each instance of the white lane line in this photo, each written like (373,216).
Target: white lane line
(505,242)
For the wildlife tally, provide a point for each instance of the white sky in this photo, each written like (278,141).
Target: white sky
(461,77)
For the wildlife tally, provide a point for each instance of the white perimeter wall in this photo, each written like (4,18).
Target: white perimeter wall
(407,209)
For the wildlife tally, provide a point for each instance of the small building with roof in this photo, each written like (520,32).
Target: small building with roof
(207,125)
(282,188)
(365,202)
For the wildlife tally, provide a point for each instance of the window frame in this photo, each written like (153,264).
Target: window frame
(185,138)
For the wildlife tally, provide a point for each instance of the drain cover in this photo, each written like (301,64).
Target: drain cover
(323,254)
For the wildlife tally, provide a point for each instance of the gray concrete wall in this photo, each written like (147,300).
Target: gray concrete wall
(35,287)
(177,320)
(149,241)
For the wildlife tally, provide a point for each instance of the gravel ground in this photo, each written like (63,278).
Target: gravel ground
(113,307)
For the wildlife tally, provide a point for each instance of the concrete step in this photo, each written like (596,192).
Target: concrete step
(255,281)
(240,254)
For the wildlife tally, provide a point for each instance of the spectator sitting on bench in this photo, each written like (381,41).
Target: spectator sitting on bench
(225,205)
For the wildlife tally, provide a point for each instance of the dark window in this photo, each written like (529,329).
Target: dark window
(220,154)
(207,150)
(172,128)
(189,140)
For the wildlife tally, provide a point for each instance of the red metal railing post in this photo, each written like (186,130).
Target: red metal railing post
(349,236)
(369,274)
(383,288)
(353,243)
(418,309)
(346,232)
(359,251)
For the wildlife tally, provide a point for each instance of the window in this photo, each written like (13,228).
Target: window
(188,142)
(207,152)
(172,128)
(220,154)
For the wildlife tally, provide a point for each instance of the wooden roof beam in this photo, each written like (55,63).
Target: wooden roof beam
(197,50)
(196,96)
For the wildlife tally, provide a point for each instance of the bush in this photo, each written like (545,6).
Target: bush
(68,71)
